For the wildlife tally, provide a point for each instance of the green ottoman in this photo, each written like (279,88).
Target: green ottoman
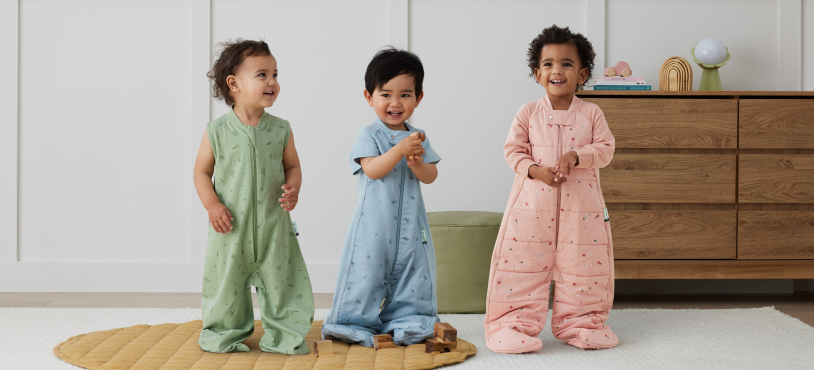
(463,250)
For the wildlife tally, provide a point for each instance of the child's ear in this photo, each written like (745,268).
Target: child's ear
(418,99)
(538,75)
(369,98)
(583,75)
(231,81)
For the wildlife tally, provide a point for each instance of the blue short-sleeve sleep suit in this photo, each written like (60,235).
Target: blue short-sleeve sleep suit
(388,252)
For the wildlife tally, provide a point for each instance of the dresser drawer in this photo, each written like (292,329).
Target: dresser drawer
(776,124)
(669,178)
(776,178)
(671,123)
(775,235)
(673,234)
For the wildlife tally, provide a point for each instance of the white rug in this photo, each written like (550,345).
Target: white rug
(758,338)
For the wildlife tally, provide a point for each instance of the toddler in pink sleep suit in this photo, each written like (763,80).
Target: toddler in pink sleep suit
(555,228)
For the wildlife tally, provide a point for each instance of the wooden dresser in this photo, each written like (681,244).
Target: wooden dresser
(710,185)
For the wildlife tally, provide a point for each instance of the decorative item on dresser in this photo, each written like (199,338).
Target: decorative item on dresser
(710,185)
(675,75)
(711,54)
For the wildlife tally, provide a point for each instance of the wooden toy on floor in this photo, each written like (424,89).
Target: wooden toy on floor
(446,339)
(323,347)
(420,136)
(383,341)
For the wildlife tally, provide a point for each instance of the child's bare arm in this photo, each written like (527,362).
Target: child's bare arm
(378,167)
(293,176)
(219,215)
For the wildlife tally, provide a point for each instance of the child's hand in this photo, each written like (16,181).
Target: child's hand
(565,165)
(219,217)
(417,159)
(290,197)
(410,145)
(544,174)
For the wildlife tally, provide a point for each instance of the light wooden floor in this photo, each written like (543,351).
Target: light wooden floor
(799,305)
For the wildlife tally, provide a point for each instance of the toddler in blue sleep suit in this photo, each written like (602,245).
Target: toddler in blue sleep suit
(388,253)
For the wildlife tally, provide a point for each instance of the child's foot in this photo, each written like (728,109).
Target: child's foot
(509,341)
(237,347)
(347,334)
(593,339)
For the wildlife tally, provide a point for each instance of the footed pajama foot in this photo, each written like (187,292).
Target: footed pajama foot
(509,341)
(593,338)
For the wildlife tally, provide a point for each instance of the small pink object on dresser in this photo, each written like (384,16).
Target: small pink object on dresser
(620,69)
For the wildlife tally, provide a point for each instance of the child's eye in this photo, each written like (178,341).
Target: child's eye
(275,75)
(386,95)
(566,64)
(547,64)
(261,75)
(405,95)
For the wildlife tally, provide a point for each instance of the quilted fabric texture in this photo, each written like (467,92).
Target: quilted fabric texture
(175,346)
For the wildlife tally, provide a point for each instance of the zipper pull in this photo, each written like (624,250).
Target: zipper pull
(297,233)
(606,214)
(423,237)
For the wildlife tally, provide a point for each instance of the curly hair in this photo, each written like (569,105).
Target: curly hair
(558,35)
(230,57)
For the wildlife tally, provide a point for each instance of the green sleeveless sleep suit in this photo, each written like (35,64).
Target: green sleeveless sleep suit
(261,250)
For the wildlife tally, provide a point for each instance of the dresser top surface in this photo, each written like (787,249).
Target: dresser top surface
(720,94)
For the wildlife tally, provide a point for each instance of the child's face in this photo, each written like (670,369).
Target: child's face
(395,101)
(255,85)
(560,70)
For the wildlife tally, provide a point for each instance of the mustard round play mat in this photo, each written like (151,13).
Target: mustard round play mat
(175,346)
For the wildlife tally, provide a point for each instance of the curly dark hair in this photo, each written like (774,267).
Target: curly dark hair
(230,57)
(558,35)
(390,62)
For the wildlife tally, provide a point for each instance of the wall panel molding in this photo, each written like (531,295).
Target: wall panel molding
(595,31)
(790,45)
(200,60)
(399,23)
(9,127)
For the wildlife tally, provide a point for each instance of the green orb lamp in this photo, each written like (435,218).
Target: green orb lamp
(711,54)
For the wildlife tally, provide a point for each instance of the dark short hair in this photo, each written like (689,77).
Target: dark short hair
(558,35)
(230,57)
(391,62)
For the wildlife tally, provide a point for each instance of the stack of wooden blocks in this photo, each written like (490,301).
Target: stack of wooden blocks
(446,339)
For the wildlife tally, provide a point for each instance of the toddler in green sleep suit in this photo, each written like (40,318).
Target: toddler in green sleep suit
(251,239)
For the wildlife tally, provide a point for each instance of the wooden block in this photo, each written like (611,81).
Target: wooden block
(775,235)
(775,178)
(644,234)
(671,123)
(776,124)
(669,178)
(445,333)
(323,347)
(436,345)
(383,341)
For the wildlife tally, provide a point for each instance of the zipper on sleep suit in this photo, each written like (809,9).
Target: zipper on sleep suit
(559,189)
(398,223)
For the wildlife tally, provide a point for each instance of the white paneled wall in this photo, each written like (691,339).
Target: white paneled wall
(103,117)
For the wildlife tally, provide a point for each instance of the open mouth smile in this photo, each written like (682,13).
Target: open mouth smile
(557,82)
(394,114)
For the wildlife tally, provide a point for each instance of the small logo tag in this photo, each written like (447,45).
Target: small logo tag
(297,233)
(606,214)
(423,237)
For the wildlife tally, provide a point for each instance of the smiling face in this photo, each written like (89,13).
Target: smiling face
(395,101)
(255,85)
(560,70)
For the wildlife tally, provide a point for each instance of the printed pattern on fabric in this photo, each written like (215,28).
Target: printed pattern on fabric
(388,254)
(553,235)
(261,250)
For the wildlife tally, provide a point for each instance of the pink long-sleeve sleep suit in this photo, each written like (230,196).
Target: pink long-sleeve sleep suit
(560,234)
